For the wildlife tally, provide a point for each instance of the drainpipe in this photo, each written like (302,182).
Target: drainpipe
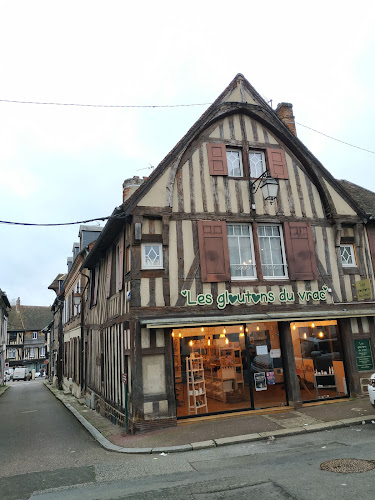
(60,356)
(82,375)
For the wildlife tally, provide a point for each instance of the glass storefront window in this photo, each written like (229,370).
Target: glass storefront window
(226,368)
(319,360)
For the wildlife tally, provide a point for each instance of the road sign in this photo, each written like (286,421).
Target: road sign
(46,361)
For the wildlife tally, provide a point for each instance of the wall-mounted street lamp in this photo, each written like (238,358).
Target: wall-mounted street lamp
(77,299)
(268,185)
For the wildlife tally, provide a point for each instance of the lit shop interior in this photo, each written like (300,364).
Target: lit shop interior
(319,360)
(240,367)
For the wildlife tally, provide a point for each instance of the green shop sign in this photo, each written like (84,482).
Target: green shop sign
(226,298)
(363,354)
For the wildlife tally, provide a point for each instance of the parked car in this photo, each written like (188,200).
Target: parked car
(37,374)
(371,390)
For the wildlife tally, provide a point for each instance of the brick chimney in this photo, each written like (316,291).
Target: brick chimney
(131,185)
(284,111)
(18,303)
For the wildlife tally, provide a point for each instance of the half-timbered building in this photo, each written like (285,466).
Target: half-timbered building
(210,293)
(26,336)
(67,351)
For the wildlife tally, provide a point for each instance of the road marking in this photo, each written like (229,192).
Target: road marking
(29,411)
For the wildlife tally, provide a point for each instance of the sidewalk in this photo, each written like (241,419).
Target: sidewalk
(221,430)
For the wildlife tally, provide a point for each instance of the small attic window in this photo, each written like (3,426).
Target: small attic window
(152,256)
(347,255)
(35,335)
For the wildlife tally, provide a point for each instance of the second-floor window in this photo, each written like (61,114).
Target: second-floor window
(42,352)
(32,352)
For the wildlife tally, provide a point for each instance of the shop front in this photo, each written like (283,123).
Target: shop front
(237,367)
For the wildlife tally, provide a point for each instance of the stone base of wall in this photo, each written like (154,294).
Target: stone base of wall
(151,425)
(113,414)
(117,416)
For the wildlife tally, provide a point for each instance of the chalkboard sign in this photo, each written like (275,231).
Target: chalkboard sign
(363,355)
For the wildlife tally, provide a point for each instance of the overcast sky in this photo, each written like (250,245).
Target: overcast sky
(67,163)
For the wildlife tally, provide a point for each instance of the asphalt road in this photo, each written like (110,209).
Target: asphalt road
(46,454)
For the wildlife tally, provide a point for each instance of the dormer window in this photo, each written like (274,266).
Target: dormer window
(35,335)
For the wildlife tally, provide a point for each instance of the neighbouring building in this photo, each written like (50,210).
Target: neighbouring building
(55,373)
(26,336)
(4,311)
(66,354)
(239,275)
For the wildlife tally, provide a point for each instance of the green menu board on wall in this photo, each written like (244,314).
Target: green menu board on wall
(363,355)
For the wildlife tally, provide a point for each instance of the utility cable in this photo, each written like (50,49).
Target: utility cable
(334,139)
(106,105)
(161,106)
(62,223)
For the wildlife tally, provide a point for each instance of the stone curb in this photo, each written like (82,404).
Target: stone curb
(201,445)
(3,389)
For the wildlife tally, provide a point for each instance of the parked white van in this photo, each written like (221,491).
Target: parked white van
(19,373)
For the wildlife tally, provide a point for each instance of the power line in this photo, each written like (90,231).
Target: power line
(334,139)
(105,105)
(150,106)
(61,223)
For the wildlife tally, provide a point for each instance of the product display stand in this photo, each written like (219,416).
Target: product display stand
(196,386)
(324,381)
(226,372)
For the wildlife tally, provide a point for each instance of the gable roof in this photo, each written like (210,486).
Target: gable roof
(29,318)
(238,97)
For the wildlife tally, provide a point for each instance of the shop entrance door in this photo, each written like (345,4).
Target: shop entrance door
(265,365)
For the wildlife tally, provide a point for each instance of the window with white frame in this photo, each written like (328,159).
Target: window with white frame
(347,255)
(32,352)
(234,163)
(12,353)
(35,335)
(152,256)
(241,251)
(42,352)
(272,252)
(257,163)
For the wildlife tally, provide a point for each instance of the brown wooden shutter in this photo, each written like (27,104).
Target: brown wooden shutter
(300,251)
(108,274)
(277,163)
(371,241)
(120,262)
(217,159)
(213,250)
